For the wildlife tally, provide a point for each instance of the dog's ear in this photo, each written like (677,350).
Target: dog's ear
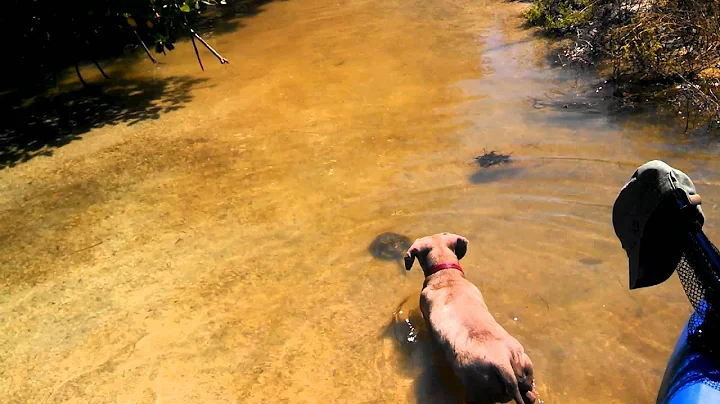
(461,247)
(410,257)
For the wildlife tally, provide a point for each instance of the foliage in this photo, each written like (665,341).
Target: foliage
(44,36)
(559,15)
(667,44)
(670,38)
(164,19)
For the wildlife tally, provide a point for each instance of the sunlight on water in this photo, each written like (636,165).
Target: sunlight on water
(236,235)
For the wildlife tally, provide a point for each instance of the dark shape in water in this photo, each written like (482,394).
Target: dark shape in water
(496,174)
(489,159)
(590,261)
(389,246)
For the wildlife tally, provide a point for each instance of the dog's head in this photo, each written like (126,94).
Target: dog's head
(439,248)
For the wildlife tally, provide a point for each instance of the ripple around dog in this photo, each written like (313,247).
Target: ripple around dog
(408,325)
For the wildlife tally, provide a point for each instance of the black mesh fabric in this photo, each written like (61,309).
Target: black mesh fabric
(702,286)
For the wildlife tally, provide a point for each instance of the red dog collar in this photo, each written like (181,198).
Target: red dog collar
(440,267)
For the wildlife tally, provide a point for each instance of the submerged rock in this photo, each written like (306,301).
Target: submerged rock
(389,246)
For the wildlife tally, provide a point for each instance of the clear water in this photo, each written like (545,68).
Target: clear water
(218,252)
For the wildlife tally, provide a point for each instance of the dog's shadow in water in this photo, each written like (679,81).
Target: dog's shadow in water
(435,381)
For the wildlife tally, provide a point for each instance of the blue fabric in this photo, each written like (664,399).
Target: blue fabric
(689,377)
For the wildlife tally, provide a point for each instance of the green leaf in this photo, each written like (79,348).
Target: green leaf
(185,8)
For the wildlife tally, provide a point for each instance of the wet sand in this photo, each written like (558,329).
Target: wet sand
(216,248)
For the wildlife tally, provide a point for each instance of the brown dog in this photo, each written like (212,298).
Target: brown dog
(491,364)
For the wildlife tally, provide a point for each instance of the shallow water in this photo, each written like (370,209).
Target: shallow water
(215,245)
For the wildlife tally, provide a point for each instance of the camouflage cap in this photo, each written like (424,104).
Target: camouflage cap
(652,195)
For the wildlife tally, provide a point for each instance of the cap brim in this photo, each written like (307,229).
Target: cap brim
(642,277)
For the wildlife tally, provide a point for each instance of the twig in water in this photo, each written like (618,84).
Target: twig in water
(544,301)
(86,248)
(101,70)
(144,46)
(77,71)
(192,38)
(619,163)
(687,115)
(210,48)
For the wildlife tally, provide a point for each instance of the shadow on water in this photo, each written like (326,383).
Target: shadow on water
(492,174)
(41,124)
(493,167)
(589,93)
(41,69)
(588,98)
(591,97)
(637,102)
(434,381)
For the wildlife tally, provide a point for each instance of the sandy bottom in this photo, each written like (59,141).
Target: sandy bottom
(210,243)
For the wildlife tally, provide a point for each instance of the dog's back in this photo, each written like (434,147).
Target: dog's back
(491,364)
(471,340)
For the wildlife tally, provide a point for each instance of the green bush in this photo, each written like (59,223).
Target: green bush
(667,44)
(559,15)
